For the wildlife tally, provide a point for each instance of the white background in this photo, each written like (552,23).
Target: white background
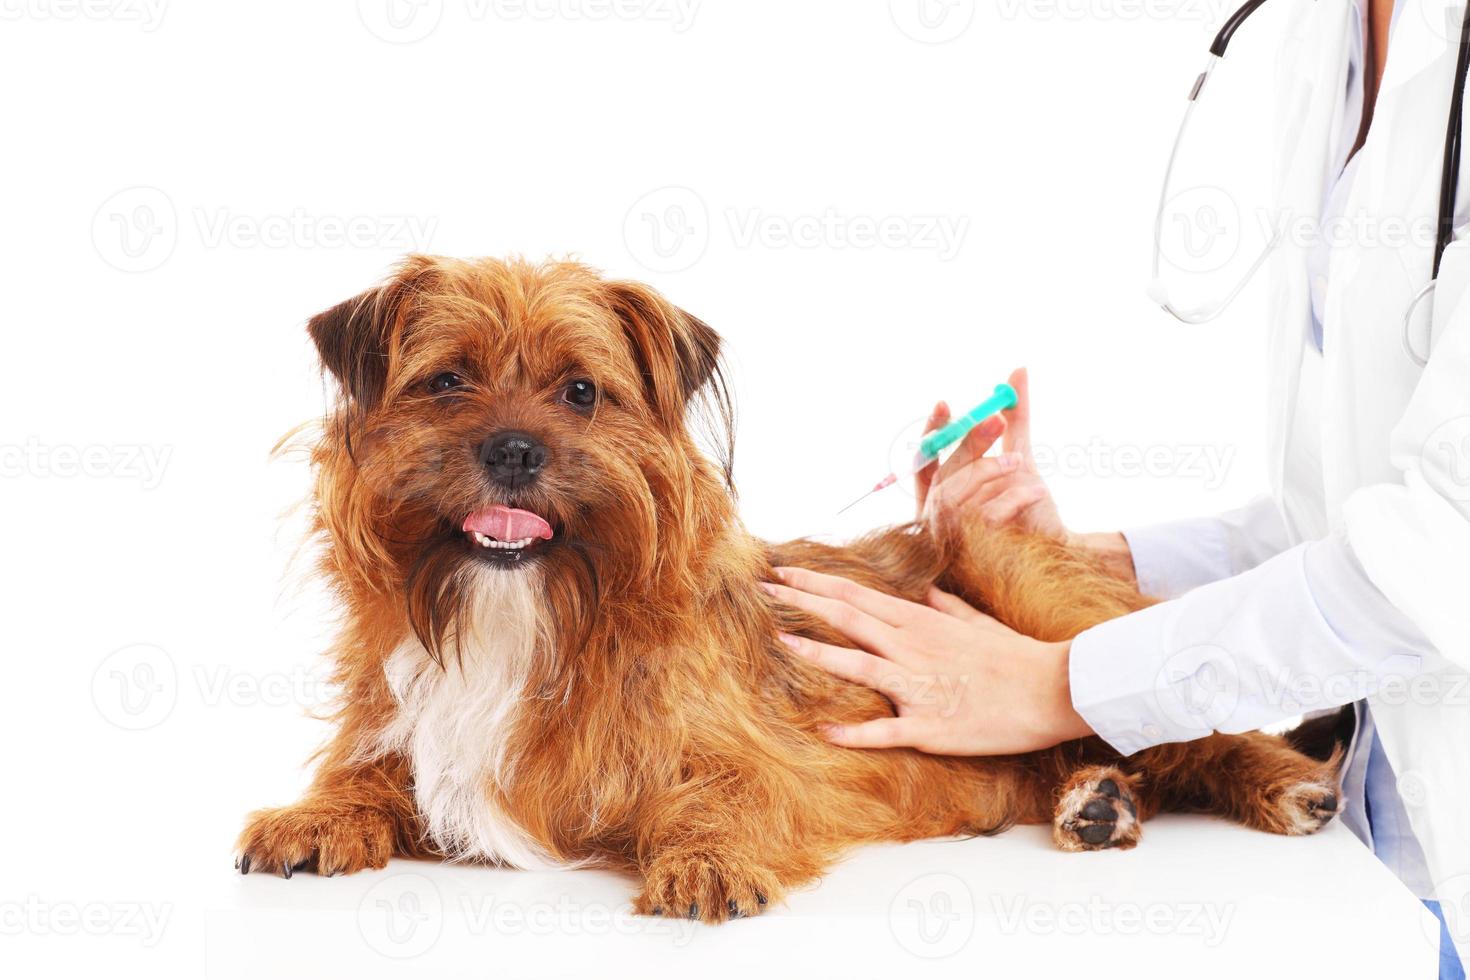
(178,179)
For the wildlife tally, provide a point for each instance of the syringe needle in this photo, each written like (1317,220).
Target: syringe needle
(887,481)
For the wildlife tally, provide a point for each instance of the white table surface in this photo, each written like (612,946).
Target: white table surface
(1199,898)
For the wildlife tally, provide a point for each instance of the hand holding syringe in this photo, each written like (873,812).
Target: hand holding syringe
(942,438)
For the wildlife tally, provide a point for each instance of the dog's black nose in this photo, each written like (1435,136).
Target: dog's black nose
(513,458)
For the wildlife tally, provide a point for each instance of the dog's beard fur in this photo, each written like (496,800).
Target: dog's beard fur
(455,722)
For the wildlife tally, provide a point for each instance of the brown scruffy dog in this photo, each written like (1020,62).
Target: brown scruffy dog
(557,650)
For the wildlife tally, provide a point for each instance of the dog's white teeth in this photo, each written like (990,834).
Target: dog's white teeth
(485,541)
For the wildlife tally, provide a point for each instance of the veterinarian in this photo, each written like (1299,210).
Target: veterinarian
(1348,584)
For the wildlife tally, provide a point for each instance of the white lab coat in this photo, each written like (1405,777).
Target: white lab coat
(1393,437)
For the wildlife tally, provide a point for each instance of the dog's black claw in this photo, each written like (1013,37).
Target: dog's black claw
(734,908)
(1108,788)
(760,899)
(658,910)
(693,910)
(245,864)
(285,869)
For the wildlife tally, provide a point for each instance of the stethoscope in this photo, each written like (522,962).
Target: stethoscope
(1449,171)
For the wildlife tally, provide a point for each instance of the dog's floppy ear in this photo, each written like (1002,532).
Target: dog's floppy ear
(677,353)
(356,337)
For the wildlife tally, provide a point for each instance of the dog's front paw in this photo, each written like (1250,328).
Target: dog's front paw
(1097,810)
(708,885)
(326,839)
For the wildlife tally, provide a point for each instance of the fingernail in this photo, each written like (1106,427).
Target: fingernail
(790,641)
(830,732)
(1009,461)
(768,588)
(780,571)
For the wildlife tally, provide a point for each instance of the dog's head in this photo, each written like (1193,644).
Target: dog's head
(505,418)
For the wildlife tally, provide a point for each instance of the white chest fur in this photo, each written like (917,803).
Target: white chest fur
(453,723)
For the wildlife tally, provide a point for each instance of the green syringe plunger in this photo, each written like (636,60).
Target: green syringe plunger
(947,435)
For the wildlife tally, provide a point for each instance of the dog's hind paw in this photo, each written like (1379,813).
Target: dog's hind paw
(707,885)
(327,840)
(1306,808)
(1097,810)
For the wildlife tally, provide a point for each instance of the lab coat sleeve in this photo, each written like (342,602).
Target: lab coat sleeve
(1304,630)
(1413,537)
(1172,558)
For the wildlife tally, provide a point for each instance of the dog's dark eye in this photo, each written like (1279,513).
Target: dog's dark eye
(580,394)
(448,381)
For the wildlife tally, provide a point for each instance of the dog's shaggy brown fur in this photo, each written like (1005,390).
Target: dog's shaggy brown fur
(652,721)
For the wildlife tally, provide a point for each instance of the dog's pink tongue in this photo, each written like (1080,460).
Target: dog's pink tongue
(507,524)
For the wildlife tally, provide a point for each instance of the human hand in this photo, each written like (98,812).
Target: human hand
(963,683)
(1001,490)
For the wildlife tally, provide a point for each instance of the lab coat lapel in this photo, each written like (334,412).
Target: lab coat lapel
(1312,76)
